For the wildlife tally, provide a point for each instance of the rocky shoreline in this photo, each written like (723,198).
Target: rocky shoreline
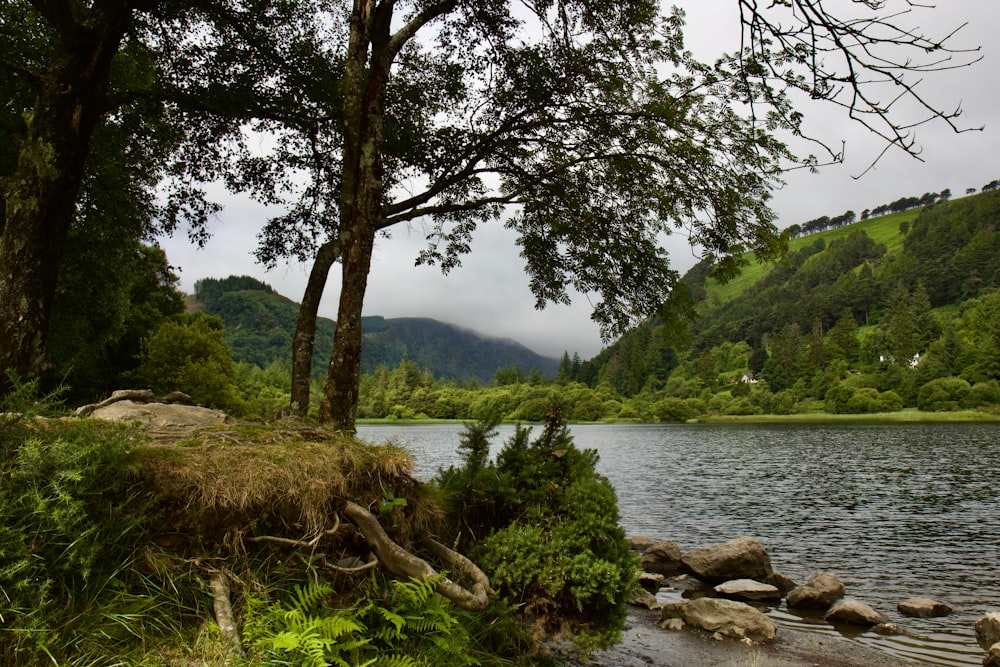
(719,620)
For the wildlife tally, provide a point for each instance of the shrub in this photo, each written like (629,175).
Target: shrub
(547,527)
(982,394)
(674,409)
(189,354)
(70,528)
(943,394)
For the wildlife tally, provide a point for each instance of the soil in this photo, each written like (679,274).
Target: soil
(645,644)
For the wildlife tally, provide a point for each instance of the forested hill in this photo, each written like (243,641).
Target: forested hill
(861,299)
(260,323)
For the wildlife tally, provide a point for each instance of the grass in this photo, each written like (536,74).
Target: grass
(903,416)
(883,229)
(227,482)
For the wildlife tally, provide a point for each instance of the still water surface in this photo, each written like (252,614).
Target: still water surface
(895,510)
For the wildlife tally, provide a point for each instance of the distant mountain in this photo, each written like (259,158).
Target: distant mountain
(260,324)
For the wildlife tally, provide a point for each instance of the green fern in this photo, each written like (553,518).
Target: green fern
(407,625)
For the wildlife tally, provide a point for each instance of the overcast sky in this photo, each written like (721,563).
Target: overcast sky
(489,292)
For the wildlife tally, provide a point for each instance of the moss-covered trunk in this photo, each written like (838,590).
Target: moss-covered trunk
(40,195)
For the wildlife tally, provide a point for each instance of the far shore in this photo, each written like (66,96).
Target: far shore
(901,417)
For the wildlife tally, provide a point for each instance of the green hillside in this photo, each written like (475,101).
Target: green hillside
(260,324)
(896,305)
(884,229)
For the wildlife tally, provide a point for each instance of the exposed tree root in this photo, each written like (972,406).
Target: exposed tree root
(401,562)
(219,582)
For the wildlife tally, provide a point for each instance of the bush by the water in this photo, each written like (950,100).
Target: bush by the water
(543,524)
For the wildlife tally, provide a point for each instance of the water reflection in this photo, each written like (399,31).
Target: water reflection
(896,511)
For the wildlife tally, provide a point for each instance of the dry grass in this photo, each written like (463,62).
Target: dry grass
(291,479)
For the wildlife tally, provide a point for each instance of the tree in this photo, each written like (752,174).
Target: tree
(85,145)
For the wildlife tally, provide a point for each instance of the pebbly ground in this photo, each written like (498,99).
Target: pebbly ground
(645,644)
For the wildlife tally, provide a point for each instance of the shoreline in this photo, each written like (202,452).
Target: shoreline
(645,644)
(901,417)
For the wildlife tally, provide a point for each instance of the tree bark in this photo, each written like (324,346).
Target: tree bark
(371,50)
(40,196)
(304,341)
(219,583)
(365,81)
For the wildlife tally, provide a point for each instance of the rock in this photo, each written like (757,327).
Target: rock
(988,630)
(663,558)
(923,608)
(848,611)
(652,582)
(723,618)
(640,542)
(177,397)
(160,415)
(992,658)
(819,592)
(675,624)
(748,589)
(779,581)
(640,597)
(743,558)
(888,629)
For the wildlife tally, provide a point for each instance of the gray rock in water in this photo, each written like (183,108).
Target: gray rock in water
(780,581)
(853,612)
(652,582)
(725,619)
(992,658)
(819,592)
(663,558)
(748,589)
(743,558)
(640,542)
(923,608)
(988,630)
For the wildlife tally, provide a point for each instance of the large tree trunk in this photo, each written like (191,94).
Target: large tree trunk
(40,196)
(305,327)
(370,53)
(365,83)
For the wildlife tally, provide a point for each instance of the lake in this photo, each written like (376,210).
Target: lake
(895,511)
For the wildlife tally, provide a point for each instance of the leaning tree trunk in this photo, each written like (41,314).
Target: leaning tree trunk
(305,327)
(40,196)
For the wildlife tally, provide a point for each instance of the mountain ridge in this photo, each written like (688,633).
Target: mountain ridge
(260,324)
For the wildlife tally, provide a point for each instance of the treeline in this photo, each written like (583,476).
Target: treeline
(825,222)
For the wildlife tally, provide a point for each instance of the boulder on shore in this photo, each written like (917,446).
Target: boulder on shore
(923,608)
(819,592)
(663,558)
(743,558)
(161,415)
(988,630)
(848,611)
(725,619)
